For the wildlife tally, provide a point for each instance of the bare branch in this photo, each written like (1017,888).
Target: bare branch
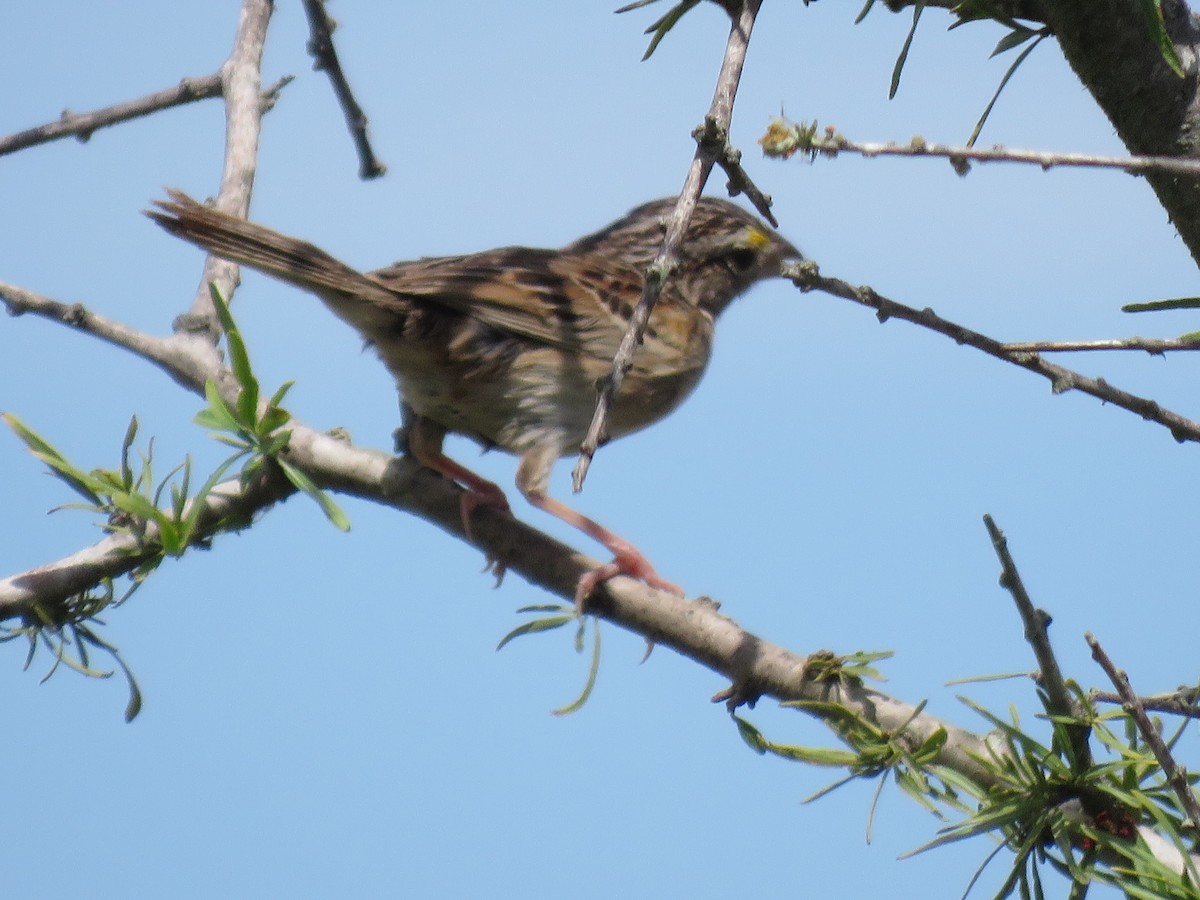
(241,81)
(1037,635)
(695,629)
(1153,346)
(325,59)
(1176,776)
(716,123)
(82,125)
(714,141)
(188,362)
(807,277)
(784,139)
(1182,702)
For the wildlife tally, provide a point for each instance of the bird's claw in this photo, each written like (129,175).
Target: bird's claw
(629,561)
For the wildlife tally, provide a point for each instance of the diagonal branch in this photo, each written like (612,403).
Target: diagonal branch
(325,59)
(1037,634)
(1176,776)
(807,277)
(716,126)
(82,125)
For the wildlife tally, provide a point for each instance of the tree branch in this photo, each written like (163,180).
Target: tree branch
(1110,46)
(693,628)
(716,124)
(83,125)
(1037,635)
(1176,776)
(1153,346)
(807,277)
(785,138)
(241,82)
(325,59)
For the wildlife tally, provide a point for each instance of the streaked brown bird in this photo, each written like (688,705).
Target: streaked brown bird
(507,346)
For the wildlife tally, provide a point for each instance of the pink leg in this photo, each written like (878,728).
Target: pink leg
(628,560)
(425,443)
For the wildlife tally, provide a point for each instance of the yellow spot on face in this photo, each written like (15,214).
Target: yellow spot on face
(757,238)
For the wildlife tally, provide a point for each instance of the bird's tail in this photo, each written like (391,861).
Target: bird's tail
(288,259)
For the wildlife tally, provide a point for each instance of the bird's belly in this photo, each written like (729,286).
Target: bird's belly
(541,399)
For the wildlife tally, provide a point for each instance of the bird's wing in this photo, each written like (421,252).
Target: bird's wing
(520,291)
(545,297)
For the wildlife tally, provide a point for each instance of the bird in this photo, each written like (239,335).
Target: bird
(508,346)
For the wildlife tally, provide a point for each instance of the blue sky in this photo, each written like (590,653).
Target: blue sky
(325,714)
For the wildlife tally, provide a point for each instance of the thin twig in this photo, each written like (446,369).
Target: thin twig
(785,138)
(1153,346)
(82,125)
(1176,776)
(1037,622)
(807,276)
(188,362)
(325,59)
(1182,702)
(729,158)
(716,122)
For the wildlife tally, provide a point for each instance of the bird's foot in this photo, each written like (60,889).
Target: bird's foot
(628,561)
(484,493)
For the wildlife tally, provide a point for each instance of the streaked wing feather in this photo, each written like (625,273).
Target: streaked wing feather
(516,290)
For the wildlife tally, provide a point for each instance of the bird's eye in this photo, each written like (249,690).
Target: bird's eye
(742,259)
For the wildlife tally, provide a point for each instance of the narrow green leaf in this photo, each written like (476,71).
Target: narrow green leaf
(239,359)
(1156,305)
(862,13)
(126,470)
(535,627)
(630,7)
(1152,10)
(1015,38)
(666,23)
(593,671)
(332,511)
(76,479)
(134,706)
(918,8)
(548,607)
(188,525)
(217,414)
(273,419)
(752,736)
(279,394)
(987,110)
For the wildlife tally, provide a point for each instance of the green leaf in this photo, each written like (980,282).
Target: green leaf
(78,480)
(593,671)
(1152,10)
(666,23)
(535,627)
(134,706)
(279,394)
(1156,305)
(239,359)
(303,483)
(862,13)
(126,471)
(987,110)
(752,736)
(918,8)
(217,414)
(1015,38)
(188,525)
